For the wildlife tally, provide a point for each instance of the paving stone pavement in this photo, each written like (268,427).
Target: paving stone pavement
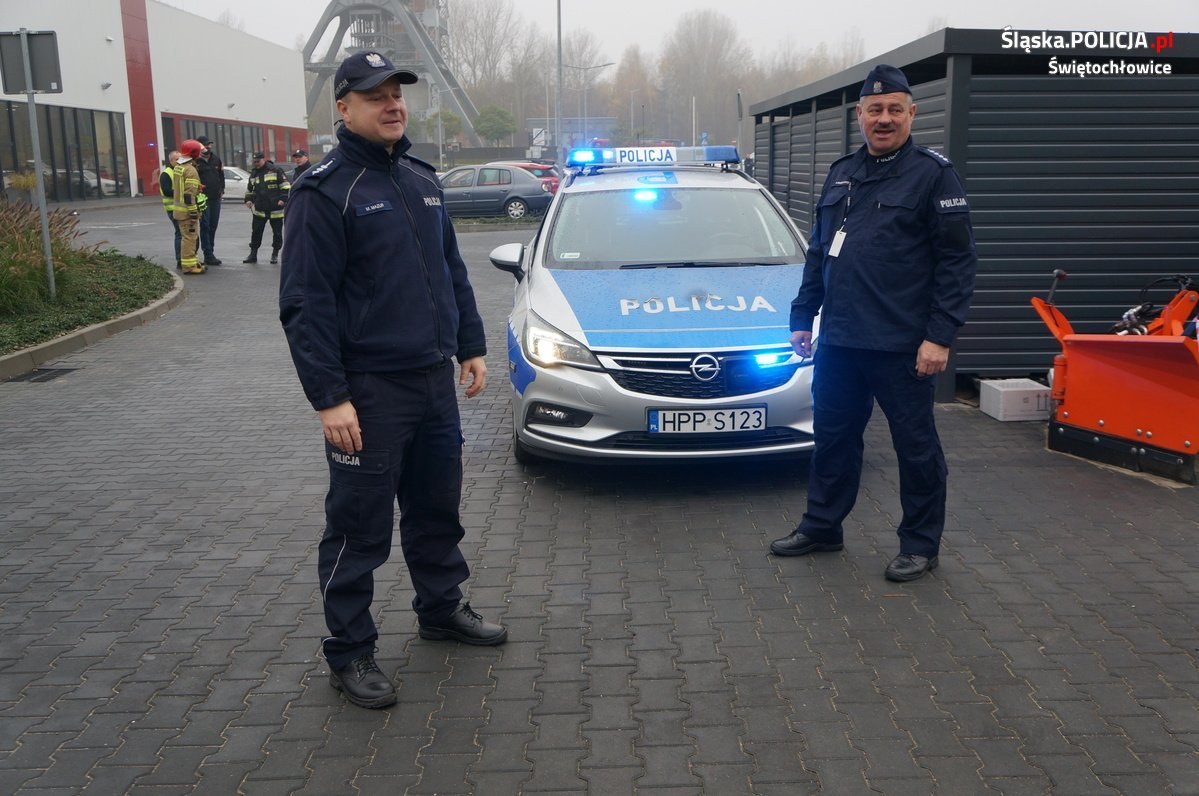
(160,505)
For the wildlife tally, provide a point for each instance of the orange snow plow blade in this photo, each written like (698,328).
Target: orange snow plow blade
(1129,399)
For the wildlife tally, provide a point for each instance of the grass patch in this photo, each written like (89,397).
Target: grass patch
(91,285)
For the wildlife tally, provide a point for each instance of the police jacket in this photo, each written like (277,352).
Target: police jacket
(371,278)
(905,269)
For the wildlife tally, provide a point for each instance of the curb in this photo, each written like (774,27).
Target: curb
(24,361)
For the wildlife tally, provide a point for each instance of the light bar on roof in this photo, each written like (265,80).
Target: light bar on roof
(655,156)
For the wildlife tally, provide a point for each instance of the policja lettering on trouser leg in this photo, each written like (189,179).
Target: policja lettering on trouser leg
(412,452)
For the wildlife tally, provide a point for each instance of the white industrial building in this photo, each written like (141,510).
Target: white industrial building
(138,77)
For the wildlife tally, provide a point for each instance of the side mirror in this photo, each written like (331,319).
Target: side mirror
(508,257)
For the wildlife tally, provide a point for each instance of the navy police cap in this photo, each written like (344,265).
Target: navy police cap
(365,70)
(884,79)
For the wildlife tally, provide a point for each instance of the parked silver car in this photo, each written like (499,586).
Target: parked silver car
(236,180)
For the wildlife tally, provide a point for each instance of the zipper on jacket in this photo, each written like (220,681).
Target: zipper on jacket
(424,264)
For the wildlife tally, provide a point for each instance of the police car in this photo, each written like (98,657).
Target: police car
(650,318)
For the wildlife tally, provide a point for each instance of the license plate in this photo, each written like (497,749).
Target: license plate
(707,421)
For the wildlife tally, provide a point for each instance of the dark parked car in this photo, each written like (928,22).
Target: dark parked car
(493,190)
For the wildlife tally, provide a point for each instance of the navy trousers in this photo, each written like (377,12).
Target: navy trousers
(845,384)
(208,224)
(412,453)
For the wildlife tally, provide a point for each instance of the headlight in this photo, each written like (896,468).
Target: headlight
(547,346)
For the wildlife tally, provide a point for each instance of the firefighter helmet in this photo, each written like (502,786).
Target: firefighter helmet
(191,148)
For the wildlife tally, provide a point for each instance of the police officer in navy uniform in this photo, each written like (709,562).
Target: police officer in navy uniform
(890,270)
(375,302)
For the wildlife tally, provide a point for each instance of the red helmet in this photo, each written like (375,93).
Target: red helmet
(191,148)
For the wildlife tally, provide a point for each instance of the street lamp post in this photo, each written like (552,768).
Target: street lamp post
(585,70)
(632,123)
(558,98)
(436,103)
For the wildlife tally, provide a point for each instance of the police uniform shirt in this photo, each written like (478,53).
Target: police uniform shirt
(904,271)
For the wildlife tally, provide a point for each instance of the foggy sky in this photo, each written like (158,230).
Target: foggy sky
(765,25)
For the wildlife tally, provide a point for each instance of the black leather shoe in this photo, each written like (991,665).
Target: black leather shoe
(796,544)
(363,683)
(212,261)
(466,626)
(253,258)
(274,257)
(905,567)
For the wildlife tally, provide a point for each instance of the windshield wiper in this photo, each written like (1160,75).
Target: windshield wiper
(698,264)
(723,264)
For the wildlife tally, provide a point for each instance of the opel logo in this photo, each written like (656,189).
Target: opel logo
(705,367)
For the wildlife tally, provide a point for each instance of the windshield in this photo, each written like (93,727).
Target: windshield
(669,226)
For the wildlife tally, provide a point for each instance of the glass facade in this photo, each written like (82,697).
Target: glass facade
(83,151)
(235,143)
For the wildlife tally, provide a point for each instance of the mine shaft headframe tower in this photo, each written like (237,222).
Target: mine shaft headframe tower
(412,33)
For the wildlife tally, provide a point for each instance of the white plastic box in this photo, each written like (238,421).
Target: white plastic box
(1015,399)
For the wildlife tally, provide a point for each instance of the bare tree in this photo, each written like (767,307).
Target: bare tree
(632,96)
(532,72)
(703,61)
(227,19)
(481,32)
(580,47)
(505,60)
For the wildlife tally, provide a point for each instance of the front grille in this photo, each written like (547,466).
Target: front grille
(641,440)
(669,375)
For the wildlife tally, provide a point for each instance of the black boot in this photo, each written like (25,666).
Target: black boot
(363,684)
(274,256)
(253,258)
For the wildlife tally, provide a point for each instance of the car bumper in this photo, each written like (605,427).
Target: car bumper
(609,422)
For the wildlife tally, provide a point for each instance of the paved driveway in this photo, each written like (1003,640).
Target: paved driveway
(161,499)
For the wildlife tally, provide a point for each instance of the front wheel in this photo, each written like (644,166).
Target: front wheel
(516,208)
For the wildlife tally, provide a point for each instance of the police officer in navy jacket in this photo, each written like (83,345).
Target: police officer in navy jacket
(890,270)
(375,301)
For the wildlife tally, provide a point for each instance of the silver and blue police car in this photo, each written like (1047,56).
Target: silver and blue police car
(651,310)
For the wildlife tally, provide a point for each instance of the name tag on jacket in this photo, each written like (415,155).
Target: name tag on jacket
(373,207)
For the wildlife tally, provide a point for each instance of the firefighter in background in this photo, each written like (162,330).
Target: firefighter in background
(189,205)
(266,196)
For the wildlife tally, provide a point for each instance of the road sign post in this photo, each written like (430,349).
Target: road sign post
(29,61)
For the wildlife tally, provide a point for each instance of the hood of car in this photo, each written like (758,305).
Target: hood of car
(670,308)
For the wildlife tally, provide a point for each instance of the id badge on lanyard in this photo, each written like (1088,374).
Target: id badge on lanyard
(834,248)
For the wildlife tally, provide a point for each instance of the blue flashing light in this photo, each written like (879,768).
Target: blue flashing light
(646,196)
(769,359)
(652,156)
